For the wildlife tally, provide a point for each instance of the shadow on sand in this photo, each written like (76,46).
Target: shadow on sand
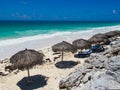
(65,64)
(37,82)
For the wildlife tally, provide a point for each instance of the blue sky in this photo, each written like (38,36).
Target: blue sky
(83,10)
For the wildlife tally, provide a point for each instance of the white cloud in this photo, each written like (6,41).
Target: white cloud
(23,16)
(114,11)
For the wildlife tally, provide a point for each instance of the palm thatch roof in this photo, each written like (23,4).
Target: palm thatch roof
(81,44)
(97,38)
(64,46)
(26,59)
(112,33)
(100,35)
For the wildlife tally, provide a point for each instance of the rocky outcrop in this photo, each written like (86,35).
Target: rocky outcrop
(6,68)
(113,63)
(84,74)
(99,72)
(74,79)
(110,78)
(114,49)
(104,82)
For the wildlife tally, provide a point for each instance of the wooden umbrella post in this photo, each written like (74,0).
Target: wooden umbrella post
(28,73)
(29,80)
(62,56)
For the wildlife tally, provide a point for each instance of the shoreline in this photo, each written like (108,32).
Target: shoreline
(10,47)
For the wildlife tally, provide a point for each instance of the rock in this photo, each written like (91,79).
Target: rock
(47,60)
(113,63)
(56,53)
(83,87)
(100,71)
(88,66)
(116,51)
(3,74)
(83,74)
(5,61)
(10,68)
(16,71)
(89,60)
(87,77)
(115,43)
(110,79)
(113,66)
(112,51)
(55,58)
(73,79)
(104,82)
(115,75)
(97,63)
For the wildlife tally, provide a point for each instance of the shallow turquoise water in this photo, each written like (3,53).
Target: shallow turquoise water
(17,29)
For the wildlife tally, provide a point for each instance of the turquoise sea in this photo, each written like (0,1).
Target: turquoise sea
(18,29)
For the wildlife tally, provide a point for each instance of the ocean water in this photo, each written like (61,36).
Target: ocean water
(18,35)
(18,29)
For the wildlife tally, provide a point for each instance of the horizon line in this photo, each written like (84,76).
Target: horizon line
(68,20)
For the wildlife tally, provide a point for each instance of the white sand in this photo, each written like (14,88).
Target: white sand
(49,70)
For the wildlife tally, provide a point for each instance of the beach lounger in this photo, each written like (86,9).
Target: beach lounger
(97,48)
(83,54)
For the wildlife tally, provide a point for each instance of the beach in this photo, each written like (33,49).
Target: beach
(49,70)
(60,45)
(48,75)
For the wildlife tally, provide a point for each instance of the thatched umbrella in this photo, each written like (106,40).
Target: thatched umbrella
(112,33)
(118,31)
(64,46)
(81,44)
(98,38)
(26,59)
(95,40)
(100,35)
